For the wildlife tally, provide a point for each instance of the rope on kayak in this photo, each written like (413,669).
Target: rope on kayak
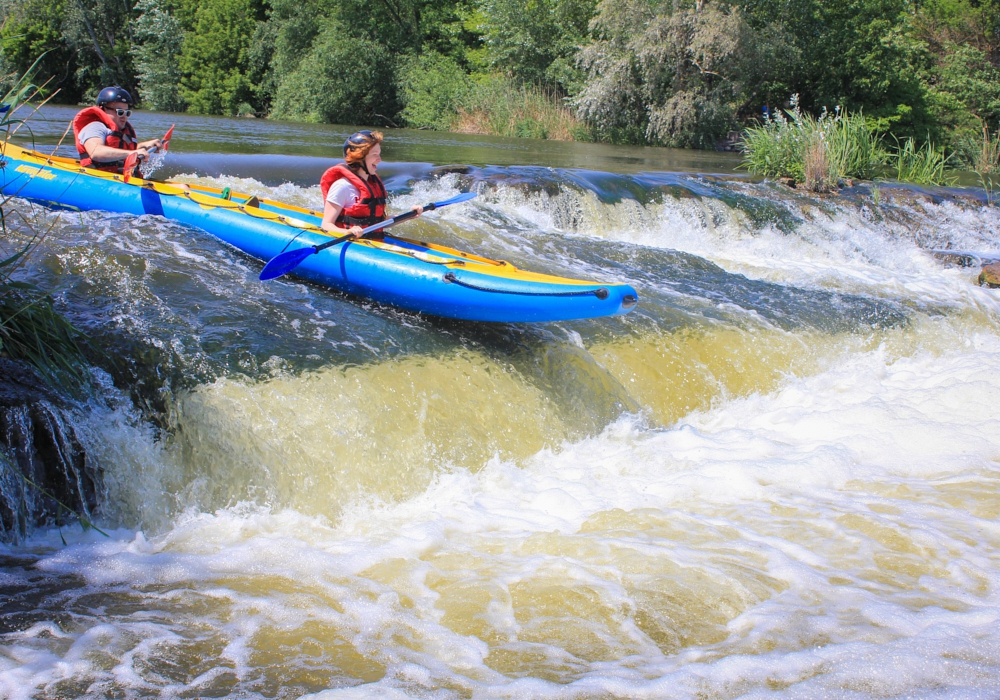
(600,293)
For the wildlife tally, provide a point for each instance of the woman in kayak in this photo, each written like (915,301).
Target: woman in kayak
(353,194)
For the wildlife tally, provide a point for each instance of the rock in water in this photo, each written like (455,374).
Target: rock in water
(990,276)
(42,461)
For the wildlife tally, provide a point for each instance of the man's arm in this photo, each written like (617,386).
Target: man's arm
(102,153)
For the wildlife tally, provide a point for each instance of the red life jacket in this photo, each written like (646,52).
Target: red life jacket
(124,139)
(369,210)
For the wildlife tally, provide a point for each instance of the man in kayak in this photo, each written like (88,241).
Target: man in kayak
(353,194)
(104,136)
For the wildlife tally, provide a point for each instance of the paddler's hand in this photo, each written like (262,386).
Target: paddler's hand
(355,231)
(141,153)
(419,210)
(153,143)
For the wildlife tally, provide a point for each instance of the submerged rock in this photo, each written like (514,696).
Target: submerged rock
(43,466)
(990,276)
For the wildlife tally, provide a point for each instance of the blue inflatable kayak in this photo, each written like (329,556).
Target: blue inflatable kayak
(420,277)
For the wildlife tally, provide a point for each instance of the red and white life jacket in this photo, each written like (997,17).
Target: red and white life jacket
(124,139)
(370,209)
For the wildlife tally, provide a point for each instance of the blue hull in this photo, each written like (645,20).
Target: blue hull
(419,277)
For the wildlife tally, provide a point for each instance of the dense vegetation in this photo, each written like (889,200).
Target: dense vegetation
(671,72)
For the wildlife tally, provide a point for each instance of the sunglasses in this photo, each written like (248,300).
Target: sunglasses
(122,112)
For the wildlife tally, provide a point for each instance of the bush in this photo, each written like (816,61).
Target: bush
(791,143)
(342,80)
(433,87)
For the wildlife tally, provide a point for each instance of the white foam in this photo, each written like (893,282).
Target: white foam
(808,531)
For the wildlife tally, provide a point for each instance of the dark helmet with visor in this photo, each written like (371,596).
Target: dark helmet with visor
(114,94)
(358,139)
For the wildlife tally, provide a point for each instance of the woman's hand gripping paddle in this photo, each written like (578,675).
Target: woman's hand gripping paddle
(289,260)
(133,158)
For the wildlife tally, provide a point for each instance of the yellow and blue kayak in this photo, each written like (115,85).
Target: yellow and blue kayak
(421,277)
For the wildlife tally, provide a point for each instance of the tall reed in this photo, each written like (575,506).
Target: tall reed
(922,166)
(31,329)
(821,151)
(497,106)
(986,160)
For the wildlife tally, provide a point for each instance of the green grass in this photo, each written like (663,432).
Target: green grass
(31,329)
(920,165)
(496,105)
(821,151)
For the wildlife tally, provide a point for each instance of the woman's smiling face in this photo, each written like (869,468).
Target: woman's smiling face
(373,158)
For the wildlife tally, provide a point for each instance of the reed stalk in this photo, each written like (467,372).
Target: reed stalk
(31,329)
(986,161)
(821,151)
(924,165)
(497,106)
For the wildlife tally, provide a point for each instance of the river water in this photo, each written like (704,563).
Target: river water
(778,477)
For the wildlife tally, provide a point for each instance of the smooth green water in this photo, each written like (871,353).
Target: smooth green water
(259,136)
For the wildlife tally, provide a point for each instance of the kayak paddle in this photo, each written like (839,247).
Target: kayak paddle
(128,170)
(286,262)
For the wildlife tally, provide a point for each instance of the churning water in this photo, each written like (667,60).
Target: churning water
(778,477)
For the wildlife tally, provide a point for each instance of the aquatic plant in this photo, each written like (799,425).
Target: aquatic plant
(776,148)
(34,333)
(982,156)
(820,151)
(30,328)
(854,147)
(817,151)
(921,165)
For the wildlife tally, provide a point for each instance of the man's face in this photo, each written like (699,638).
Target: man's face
(112,109)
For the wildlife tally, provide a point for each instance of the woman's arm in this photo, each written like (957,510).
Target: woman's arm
(330,213)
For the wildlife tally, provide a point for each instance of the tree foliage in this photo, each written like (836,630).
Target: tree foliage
(342,80)
(685,78)
(156,52)
(215,56)
(672,72)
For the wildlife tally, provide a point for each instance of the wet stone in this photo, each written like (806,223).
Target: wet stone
(990,276)
(43,466)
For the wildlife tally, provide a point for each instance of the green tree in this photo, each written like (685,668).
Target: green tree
(861,55)
(536,40)
(677,75)
(31,29)
(281,42)
(215,56)
(342,80)
(156,52)
(433,86)
(100,31)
